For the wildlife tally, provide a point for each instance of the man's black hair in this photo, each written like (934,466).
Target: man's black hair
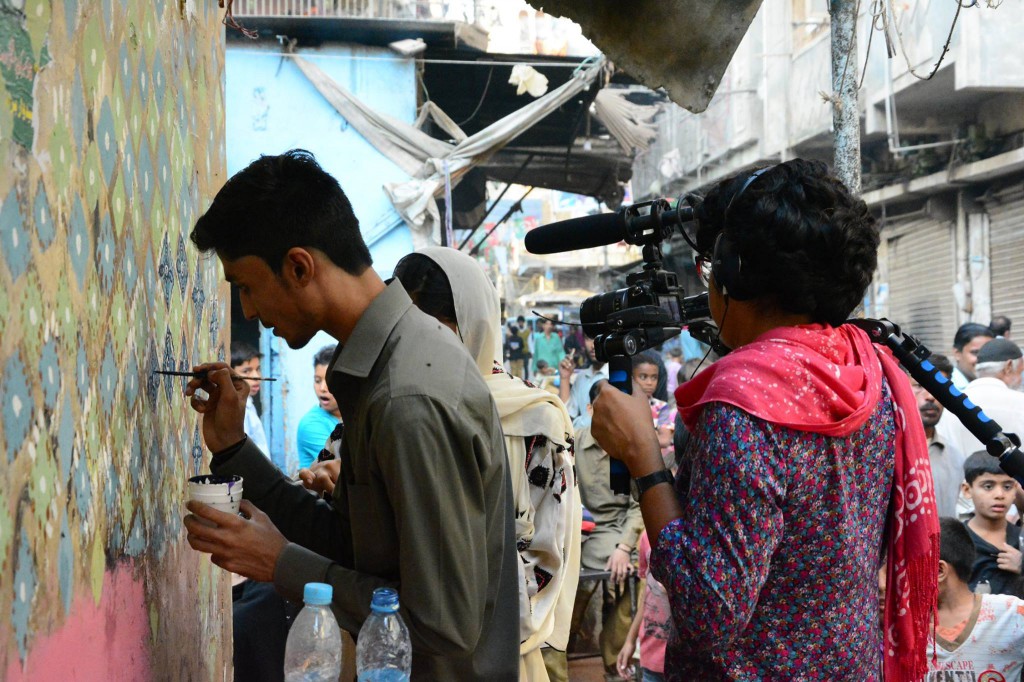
(956,547)
(595,389)
(804,240)
(981,463)
(970,331)
(243,352)
(278,203)
(427,286)
(520,319)
(324,355)
(1000,324)
(941,363)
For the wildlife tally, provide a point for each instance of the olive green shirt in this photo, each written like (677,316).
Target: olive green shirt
(618,517)
(423,503)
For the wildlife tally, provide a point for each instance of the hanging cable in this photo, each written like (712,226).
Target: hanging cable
(945,48)
(490,72)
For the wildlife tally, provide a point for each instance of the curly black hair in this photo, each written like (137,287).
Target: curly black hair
(805,242)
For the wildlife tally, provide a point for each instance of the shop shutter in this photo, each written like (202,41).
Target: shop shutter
(1006,246)
(921,275)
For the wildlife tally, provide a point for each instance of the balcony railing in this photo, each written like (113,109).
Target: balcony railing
(424,10)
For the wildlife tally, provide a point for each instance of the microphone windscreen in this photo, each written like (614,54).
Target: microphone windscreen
(576,233)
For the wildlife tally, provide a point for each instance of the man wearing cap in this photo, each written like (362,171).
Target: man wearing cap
(999,368)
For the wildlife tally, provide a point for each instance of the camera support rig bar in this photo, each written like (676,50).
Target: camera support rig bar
(913,355)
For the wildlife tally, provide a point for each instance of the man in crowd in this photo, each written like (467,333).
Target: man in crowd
(574,388)
(947,461)
(547,346)
(526,334)
(999,366)
(610,547)
(423,504)
(1000,325)
(515,350)
(969,339)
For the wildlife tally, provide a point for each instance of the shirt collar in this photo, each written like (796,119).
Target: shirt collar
(364,346)
(991,382)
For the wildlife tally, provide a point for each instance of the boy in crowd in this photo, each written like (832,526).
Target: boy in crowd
(997,565)
(317,425)
(245,361)
(978,636)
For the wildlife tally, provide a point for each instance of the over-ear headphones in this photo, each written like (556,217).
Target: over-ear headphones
(726,263)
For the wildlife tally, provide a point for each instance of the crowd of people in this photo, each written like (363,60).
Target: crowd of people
(786,498)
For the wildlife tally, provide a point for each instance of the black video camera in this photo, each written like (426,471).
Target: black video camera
(652,309)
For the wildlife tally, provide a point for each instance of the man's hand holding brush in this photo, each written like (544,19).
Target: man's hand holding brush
(223,409)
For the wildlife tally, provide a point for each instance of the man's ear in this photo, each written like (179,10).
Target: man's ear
(944,570)
(299,266)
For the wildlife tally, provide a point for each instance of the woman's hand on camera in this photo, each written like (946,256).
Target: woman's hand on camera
(623,427)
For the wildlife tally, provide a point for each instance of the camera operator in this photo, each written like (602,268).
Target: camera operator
(770,541)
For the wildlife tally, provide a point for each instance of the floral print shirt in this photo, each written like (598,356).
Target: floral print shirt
(771,570)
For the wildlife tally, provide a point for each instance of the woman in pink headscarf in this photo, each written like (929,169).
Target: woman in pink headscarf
(807,463)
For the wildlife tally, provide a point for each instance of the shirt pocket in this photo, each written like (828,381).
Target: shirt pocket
(374,539)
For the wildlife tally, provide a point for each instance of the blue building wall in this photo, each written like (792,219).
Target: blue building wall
(272,107)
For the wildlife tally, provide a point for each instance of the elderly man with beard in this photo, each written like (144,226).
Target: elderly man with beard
(947,461)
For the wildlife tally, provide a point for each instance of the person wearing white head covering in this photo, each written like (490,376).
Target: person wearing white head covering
(452,287)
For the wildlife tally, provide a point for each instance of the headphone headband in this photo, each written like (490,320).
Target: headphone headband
(750,180)
(726,264)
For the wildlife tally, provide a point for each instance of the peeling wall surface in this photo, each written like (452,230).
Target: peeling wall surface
(111,144)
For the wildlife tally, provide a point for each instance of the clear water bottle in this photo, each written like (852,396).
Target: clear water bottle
(313,650)
(383,652)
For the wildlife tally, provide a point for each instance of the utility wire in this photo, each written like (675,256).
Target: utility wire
(945,48)
(464,62)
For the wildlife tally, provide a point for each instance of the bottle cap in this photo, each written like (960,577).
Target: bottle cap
(317,594)
(385,600)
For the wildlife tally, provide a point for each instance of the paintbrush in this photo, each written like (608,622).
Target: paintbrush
(202,375)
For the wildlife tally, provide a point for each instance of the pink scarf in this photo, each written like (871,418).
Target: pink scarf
(827,380)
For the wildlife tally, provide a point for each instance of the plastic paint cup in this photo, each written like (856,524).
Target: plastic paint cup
(223,493)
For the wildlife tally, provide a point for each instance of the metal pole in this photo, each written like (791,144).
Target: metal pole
(518,206)
(845,111)
(495,202)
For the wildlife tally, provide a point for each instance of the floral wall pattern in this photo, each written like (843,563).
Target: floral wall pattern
(111,144)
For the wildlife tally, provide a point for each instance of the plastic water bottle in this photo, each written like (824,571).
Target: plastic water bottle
(383,652)
(313,650)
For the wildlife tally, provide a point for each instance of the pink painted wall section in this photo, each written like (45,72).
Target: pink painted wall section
(104,641)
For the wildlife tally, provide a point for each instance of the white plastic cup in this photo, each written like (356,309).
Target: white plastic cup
(223,493)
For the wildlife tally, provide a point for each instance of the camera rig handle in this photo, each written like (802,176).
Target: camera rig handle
(913,355)
(620,375)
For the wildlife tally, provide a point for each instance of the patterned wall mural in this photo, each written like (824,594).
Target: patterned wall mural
(111,140)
